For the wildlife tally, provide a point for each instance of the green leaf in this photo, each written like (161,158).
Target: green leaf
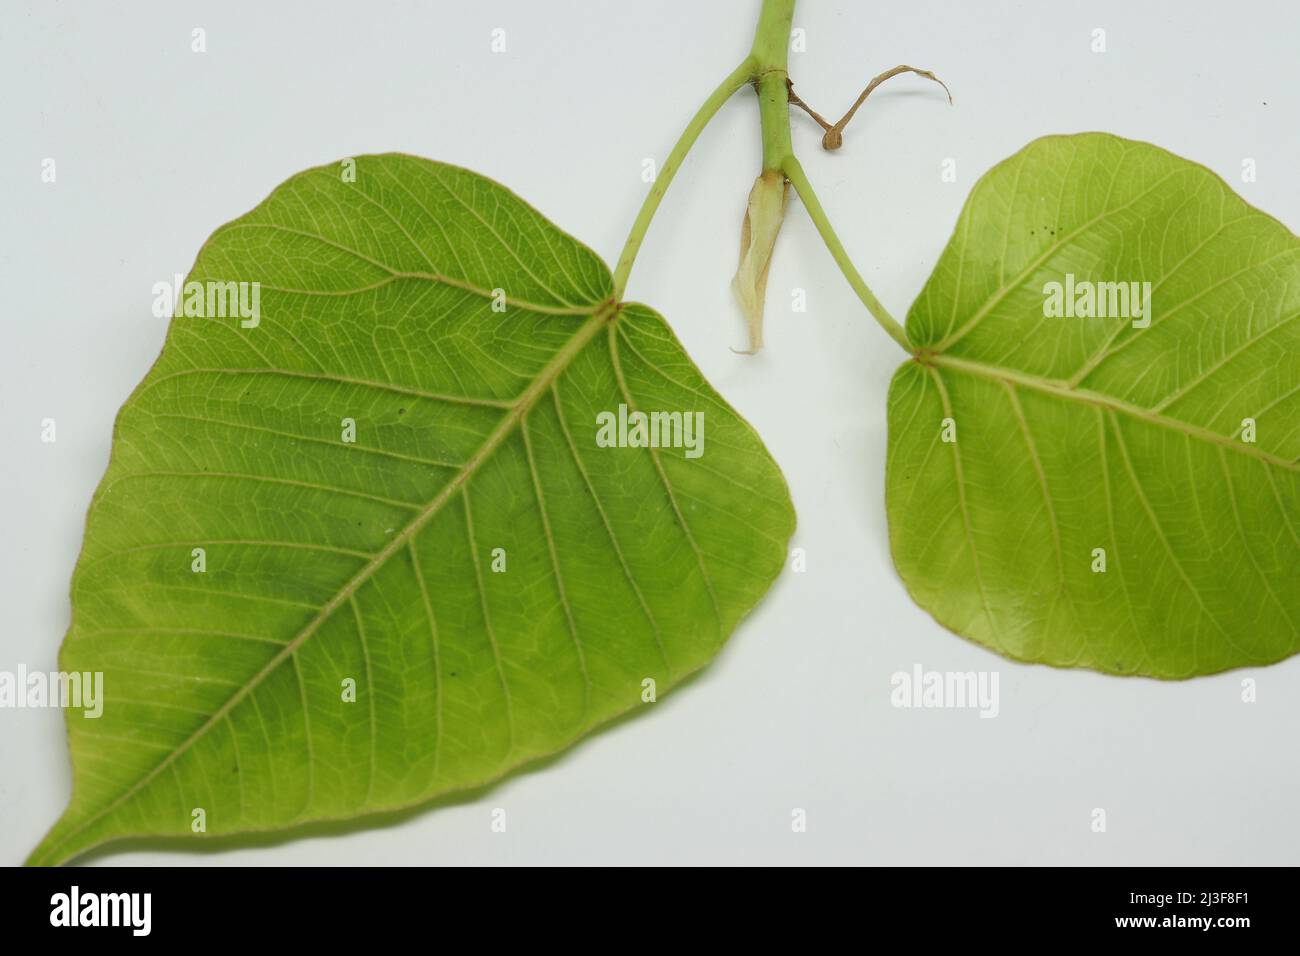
(1079,435)
(494,581)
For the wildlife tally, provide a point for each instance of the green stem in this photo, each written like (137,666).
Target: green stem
(767,68)
(794,172)
(771,43)
(771,79)
(734,81)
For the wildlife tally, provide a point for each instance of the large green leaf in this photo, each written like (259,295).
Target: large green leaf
(1075,434)
(376,560)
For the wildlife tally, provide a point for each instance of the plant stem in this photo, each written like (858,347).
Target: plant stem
(770,56)
(767,68)
(794,172)
(771,79)
(734,81)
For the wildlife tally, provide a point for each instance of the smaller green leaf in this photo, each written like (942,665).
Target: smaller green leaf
(1119,492)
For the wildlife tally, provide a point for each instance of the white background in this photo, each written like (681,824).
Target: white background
(156,146)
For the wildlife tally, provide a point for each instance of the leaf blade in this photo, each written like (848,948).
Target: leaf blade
(221,681)
(1093,433)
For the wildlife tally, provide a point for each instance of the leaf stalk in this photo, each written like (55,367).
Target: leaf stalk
(734,81)
(794,172)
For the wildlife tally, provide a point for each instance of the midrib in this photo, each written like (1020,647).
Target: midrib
(604,313)
(1062,390)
